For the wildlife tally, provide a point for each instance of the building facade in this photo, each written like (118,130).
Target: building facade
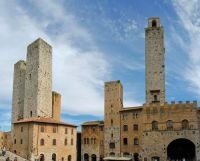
(155,131)
(37,132)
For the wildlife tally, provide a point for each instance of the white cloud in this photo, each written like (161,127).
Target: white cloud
(189,14)
(78,75)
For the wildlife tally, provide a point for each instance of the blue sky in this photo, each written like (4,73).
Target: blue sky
(96,41)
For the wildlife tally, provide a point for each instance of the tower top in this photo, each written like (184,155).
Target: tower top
(154,22)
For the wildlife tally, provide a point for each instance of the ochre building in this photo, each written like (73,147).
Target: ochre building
(37,133)
(155,131)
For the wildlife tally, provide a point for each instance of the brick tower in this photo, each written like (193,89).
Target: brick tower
(113,103)
(38,81)
(154,62)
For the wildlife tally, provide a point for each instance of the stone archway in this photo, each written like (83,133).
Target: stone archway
(94,157)
(86,157)
(180,149)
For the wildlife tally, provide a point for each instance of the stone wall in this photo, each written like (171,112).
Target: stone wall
(154,62)
(18,90)
(38,83)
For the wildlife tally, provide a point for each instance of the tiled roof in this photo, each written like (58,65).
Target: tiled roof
(93,123)
(47,120)
(131,108)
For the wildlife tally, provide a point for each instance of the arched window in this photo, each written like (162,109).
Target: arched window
(65,141)
(72,142)
(42,128)
(154,125)
(86,157)
(41,141)
(154,24)
(41,157)
(53,157)
(15,141)
(169,125)
(136,141)
(31,113)
(69,158)
(185,124)
(94,157)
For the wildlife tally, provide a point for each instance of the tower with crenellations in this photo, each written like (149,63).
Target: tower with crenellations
(154,62)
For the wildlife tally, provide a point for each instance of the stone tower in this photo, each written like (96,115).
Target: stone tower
(18,90)
(113,103)
(38,81)
(154,62)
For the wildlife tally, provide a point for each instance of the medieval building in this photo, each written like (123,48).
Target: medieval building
(155,131)
(37,132)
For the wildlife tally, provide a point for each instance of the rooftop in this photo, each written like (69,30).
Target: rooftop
(46,120)
(99,122)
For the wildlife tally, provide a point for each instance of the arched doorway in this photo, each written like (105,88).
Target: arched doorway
(41,157)
(94,157)
(53,157)
(180,149)
(69,158)
(86,157)
(136,157)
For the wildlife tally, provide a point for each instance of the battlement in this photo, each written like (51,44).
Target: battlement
(174,105)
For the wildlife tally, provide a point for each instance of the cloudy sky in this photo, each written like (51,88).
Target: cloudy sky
(96,41)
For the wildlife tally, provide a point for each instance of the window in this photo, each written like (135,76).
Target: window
(155,98)
(72,141)
(124,116)
(54,129)
(154,125)
(94,140)
(65,141)
(135,127)
(185,124)
(136,141)
(72,131)
(125,141)
(112,145)
(31,113)
(42,128)
(135,115)
(112,135)
(15,141)
(65,130)
(42,142)
(169,125)
(125,128)
(54,141)
(111,122)
(22,129)
(154,23)
(85,141)
(21,141)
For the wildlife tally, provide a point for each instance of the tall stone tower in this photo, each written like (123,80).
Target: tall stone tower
(154,62)
(38,81)
(18,90)
(113,103)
